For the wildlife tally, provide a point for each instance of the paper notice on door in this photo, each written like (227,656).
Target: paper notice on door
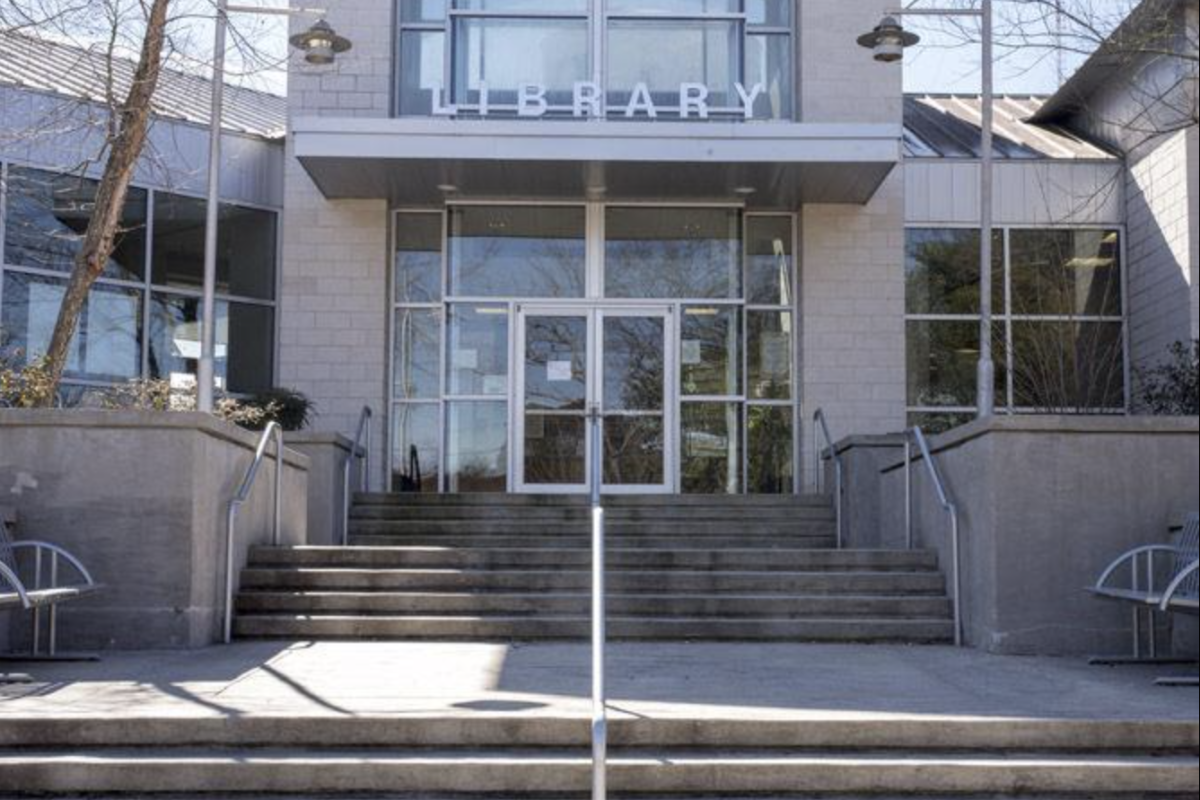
(775,356)
(559,372)
(692,354)
(495,384)
(466,359)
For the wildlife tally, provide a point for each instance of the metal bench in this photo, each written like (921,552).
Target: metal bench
(36,576)
(1155,579)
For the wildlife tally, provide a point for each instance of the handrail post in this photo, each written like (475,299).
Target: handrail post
(839,489)
(908,491)
(599,613)
(276,531)
(821,429)
(362,433)
(956,557)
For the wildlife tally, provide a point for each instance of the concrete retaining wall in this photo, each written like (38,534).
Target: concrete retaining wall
(1046,504)
(141,499)
(327,454)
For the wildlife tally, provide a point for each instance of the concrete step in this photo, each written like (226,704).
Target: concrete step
(619,582)
(361,525)
(758,560)
(578,604)
(626,542)
(548,627)
(611,502)
(539,773)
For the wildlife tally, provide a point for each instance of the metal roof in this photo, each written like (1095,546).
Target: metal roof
(40,65)
(950,126)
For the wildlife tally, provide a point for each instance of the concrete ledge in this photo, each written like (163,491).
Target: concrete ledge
(327,453)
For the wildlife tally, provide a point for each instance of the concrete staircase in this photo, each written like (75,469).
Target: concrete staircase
(468,567)
(547,757)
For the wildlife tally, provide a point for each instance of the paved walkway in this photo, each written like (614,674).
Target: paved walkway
(654,680)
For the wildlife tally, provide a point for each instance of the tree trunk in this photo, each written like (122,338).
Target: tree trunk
(125,148)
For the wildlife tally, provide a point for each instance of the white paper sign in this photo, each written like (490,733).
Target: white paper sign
(559,372)
(691,352)
(466,359)
(495,384)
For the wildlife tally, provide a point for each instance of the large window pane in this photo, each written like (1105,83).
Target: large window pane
(769,352)
(245,247)
(769,450)
(417,354)
(47,214)
(245,343)
(769,264)
(418,258)
(561,6)
(942,271)
(506,53)
(942,362)
(416,457)
(666,53)
(634,449)
(1066,272)
(673,7)
(769,13)
(673,253)
(477,447)
(711,358)
(422,10)
(1067,366)
(477,353)
(712,456)
(422,71)
(517,251)
(769,62)
(107,342)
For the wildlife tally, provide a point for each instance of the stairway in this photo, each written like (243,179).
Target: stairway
(433,758)
(487,567)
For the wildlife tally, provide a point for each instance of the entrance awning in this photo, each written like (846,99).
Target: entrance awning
(769,165)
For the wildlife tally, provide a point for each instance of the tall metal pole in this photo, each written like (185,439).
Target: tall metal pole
(986,401)
(206,372)
(599,626)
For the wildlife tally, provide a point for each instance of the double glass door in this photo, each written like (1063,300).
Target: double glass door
(618,360)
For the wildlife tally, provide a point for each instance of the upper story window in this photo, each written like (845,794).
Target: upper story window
(623,59)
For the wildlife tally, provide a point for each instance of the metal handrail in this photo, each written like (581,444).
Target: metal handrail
(360,450)
(917,436)
(821,429)
(272,431)
(599,619)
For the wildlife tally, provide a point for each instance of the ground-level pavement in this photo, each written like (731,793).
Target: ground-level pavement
(713,681)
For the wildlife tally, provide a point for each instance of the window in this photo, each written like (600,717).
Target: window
(490,57)
(673,253)
(1059,334)
(517,251)
(142,316)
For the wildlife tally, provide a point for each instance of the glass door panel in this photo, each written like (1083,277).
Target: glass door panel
(633,401)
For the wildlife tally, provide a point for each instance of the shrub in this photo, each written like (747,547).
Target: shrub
(290,408)
(27,386)
(159,395)
(1171,389)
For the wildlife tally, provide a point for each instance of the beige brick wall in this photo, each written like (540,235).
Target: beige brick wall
(1161,247)
(841,82)
(1193,202)
(852,315)
(333,294)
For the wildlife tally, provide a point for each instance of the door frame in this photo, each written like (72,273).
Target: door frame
(595,314)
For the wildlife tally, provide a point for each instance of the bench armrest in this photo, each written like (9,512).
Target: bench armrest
(1177,584)
(56,553)
(1130,559)
(10,578)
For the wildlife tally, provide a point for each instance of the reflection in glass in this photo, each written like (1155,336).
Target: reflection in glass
(939,423)
(531,6)
(942,362)
(477,351)
(416,450)
(555,449)
(769,13)
(507,53)
(673,7)
(245,247)
(634,449)
(712,458)
(422,71)
(417,354)
(942,271)
(673,253)
(556,358)
(769,270)
(46,216)
(476,447)
(769,352)
(1068,367)
(1066,272)
(666,53)
(634,363)
(245,343)
(517,251)
(769,449)
(107,342)
(769,63)
(418,258)
(711,359)
(423,10)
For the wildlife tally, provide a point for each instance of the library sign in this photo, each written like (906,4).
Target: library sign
(588,102)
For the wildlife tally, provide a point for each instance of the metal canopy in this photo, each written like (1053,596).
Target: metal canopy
(424,161)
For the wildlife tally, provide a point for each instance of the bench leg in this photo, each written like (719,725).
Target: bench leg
(35,655)
(1140,642)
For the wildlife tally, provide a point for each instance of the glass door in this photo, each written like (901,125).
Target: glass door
(571,359)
